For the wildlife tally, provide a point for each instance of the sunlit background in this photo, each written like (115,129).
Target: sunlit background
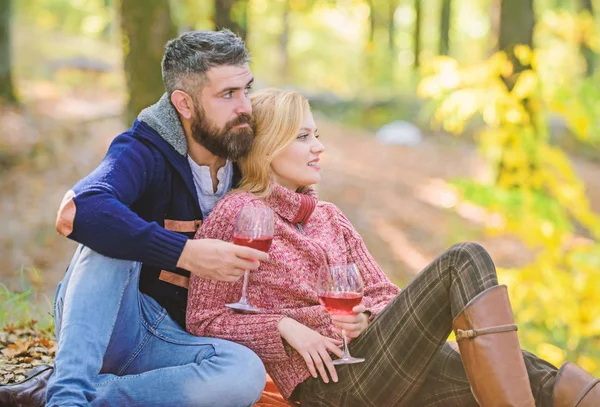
(444,120)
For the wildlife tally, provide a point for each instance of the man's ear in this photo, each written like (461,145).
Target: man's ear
(183,103)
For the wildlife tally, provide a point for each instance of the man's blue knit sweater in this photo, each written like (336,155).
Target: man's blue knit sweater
(121,207)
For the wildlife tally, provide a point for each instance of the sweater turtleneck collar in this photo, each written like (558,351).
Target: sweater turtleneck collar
(295,207)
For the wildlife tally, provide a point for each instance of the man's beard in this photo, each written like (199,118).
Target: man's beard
(226,142)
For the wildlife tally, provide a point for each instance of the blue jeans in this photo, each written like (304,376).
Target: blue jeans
(119,347)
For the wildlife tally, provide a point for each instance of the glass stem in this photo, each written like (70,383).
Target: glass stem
(243,300)
(345,352)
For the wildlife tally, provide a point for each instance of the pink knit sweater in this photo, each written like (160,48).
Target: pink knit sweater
(285,285)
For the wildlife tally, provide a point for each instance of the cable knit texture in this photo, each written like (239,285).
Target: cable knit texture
(285,285)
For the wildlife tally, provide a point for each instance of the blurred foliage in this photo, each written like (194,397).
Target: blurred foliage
(25,303)
(570,94)
(533,192)
(322,34)
(192,14)
(368,114)
(95,18)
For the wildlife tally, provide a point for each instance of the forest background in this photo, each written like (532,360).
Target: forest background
(491,111)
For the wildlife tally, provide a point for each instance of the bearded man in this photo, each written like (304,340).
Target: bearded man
(120,310)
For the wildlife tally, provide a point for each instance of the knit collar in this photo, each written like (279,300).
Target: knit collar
(295,207)
(163,119)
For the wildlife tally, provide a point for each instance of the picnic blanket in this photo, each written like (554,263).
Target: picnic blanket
(271,396)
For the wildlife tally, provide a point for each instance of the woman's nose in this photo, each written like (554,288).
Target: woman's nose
(318,147)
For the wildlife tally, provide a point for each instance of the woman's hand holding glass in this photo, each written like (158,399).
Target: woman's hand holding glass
(312,346)
(353,324)
(340,291)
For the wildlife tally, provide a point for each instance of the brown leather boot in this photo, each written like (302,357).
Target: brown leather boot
(574,387)
(489,347)
(31,392)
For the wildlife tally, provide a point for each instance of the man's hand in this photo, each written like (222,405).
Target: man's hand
(354,325)
(312,346)
(214,259)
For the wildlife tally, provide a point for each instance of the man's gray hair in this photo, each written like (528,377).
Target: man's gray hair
(189,56)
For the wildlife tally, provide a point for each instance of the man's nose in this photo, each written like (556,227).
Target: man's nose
(244,106)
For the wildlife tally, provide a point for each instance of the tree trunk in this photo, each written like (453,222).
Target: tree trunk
(590,56)
(587,5)
(495,11)
(516,28)
(232,14)
(284,38)
(417,33)
(369,50)
(444,46)
(7,92)
(145,27)
(392,28)
(392,54)
(372,22)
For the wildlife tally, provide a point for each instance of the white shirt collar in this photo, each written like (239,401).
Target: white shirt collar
(204,185)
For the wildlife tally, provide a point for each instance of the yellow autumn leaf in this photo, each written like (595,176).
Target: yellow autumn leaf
(526,85)
(587,363)
(523,54)
(551,353)
(17,348)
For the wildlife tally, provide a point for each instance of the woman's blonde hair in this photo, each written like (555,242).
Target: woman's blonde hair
(278,116)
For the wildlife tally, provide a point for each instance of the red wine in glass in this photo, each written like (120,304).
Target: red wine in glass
(262,243)
(339,289)
(340,302)
(253,228)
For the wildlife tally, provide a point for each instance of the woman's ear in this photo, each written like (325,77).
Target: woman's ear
(183,103)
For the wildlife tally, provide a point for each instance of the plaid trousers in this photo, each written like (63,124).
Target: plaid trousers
(408,361)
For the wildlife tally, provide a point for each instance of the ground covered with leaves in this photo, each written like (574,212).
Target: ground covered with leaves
(22,348)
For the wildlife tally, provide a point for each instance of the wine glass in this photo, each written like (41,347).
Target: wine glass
(253,228)
(340,288)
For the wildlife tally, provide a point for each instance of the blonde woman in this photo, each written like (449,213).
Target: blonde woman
(401,333)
